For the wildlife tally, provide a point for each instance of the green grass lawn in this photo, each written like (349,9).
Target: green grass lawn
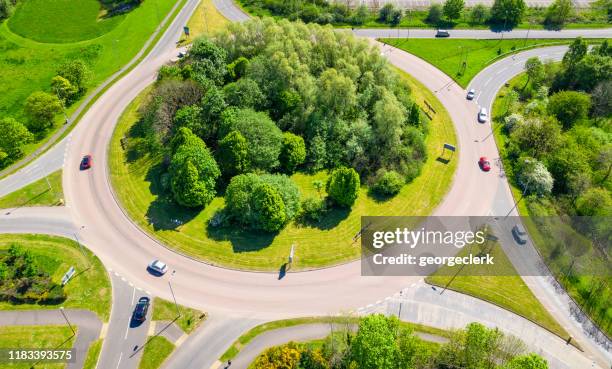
(327,243)
(35,337)
(499,284)
(89,289)
(247,337)
(155,352)
(61,21)
(93,354)
(36,194)
(448,54)
(29,66)
(166,310)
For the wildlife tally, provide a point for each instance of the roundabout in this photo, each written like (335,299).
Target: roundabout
(93,212)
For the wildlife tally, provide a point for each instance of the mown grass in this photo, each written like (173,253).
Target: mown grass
(62,21)
(204,21)
(448,55)
(93,354)
(499,284)
(166,310)
(29,66)
(327,243)
(89,288)
(37,193)
(39,336)
(155,352)
(247,337)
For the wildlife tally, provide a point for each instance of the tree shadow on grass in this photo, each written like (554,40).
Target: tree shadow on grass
(329,220)
(163,213)
(242,239)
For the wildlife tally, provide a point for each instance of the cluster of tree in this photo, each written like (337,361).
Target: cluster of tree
(275,97)
(41,109)
(382,342)
(6,8)
(23,281)
(503,13)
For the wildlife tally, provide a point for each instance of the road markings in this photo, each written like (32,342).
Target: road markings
(487,82)
(103,331)
(215,365)
(152,327)
(181,340)
(119,362)
(500,72)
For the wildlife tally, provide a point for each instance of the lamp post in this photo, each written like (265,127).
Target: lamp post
(67,321)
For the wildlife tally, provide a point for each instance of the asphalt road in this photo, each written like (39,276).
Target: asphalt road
(86,323)
(484,34)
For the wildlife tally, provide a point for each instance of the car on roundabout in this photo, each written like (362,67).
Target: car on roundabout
(157,267)
(470,95)
(483,115)
(86,162)
(140,311)
(484,164)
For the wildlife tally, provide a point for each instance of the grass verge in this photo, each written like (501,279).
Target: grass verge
(190,318)
(37,193)
(247,337)
(48,337)
(499,284)
(205,20)
(93,354)
(449,55)
(155,353)
(327,243)
(90,287)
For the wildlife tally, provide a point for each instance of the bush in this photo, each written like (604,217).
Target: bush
(569,107)
(313,209)
(388,183)
(479,14)
(293,152)
(434,15)
(508,13)
(41,108)
(233,154)
(343,186)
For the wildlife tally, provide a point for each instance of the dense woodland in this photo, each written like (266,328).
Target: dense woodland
(558,151)
(382,342)
(260,100)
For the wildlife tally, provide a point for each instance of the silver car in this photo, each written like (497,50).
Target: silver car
(471,93)
(482,115)
(158,267)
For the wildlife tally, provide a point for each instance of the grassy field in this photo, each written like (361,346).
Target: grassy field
(499,284)
(93,354)
(166,310)
(205,20)
(29,66)
(61,21)
(90,287)
(448,55)
(155,352)
(247,337)
(36,194)
(327,243)
(35,337)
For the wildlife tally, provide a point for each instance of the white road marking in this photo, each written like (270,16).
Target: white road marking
(500,72)
(119,362)
(487,82)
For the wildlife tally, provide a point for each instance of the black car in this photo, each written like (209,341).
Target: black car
(140,311)
(442,33)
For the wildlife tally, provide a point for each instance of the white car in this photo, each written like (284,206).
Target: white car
(482,115)
(471,93)
(158,267)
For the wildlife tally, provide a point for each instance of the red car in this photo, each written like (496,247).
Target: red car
(86,162)
(484,163)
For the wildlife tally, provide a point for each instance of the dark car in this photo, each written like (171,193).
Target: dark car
(484,164)
(140,311)
(86,162)
(519,233)
(442,33)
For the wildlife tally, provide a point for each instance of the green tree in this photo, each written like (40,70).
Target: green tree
(244,93)
(77,72)
(530,361)
(208,61)
(193,172)
(388,183)
(213,105)
(233,154)
(595,201)
(183,137)
(41,107)
(388,119)
(570,169)
(263,136)
(13,135)
(343,186)
(538,137)
(63,89)
(479,14)
(535,72)
(434,14)
(237,68)
(293,152)
(508,13)
(452,9)
(385,13)
(279,357)
(6,9)
(590,71)
(533,177)
(190,116)
(601,98)
(558,13)
(269,206)
(576,52)
(569,107)
(374,345)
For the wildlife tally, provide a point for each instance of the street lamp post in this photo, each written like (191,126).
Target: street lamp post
(67,321)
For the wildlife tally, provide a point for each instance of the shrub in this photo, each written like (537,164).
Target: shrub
(313,209)
(343,186)
(41,108)
(388,183)
(233,154)
(434,15)
(293,152)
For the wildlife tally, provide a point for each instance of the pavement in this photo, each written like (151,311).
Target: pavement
(484,33)
(235,299)
(88,326)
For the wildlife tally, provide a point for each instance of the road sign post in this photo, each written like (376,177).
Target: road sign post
(186,30)
(69,274)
